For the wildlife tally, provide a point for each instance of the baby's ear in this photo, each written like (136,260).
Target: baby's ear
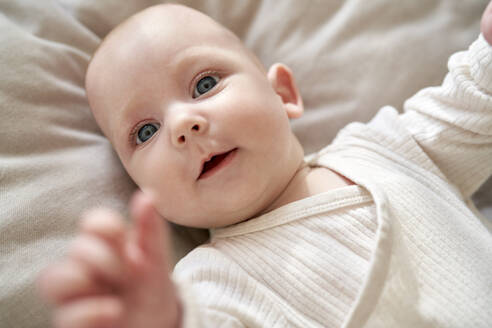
(283,83)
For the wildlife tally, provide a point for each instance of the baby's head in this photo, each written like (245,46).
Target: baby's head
(196,120)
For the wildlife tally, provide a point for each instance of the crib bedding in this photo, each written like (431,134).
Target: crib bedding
(349,58)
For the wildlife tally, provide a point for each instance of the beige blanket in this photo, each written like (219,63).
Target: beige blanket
(349,57)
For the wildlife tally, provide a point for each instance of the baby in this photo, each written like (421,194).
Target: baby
(377,229)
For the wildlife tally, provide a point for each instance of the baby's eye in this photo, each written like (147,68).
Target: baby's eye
(146,132)
(204,85)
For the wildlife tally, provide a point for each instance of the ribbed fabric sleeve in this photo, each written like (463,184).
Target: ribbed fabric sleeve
(453,122)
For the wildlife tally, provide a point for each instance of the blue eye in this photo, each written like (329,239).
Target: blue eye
(146,132)
(204,85)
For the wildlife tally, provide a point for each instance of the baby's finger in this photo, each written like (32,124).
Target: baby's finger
(100,259)
(67,280)
(105,224)
(151,231)
(99,311)
(486,23)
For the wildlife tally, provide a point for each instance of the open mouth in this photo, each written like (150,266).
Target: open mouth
(216,162)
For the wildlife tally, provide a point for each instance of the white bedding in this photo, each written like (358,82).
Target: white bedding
(350,58)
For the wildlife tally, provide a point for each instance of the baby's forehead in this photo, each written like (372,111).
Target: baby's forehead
(163,29)
(161,39)
(159,36)
(172,25)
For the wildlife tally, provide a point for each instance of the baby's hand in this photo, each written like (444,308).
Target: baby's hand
(115,276)
(486,25)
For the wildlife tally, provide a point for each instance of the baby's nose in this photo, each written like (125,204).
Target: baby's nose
(186,127)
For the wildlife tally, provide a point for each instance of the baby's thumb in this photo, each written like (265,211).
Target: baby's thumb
(486,24)
(151,232)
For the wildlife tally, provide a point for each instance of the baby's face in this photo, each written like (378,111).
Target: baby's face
(193,117)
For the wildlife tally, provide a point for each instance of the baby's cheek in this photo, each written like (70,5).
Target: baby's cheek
(173,200)
(152,173)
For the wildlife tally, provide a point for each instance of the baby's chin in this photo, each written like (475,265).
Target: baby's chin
(206,222)
(211,219)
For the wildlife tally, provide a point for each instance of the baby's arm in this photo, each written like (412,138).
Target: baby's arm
(453,122)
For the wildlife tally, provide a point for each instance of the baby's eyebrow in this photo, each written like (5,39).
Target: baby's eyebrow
(122,124)
(125,112)
(188,56)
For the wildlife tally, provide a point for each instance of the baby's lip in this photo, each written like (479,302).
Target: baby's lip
(209,157)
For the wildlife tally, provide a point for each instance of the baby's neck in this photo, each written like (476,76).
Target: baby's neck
(306,182)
